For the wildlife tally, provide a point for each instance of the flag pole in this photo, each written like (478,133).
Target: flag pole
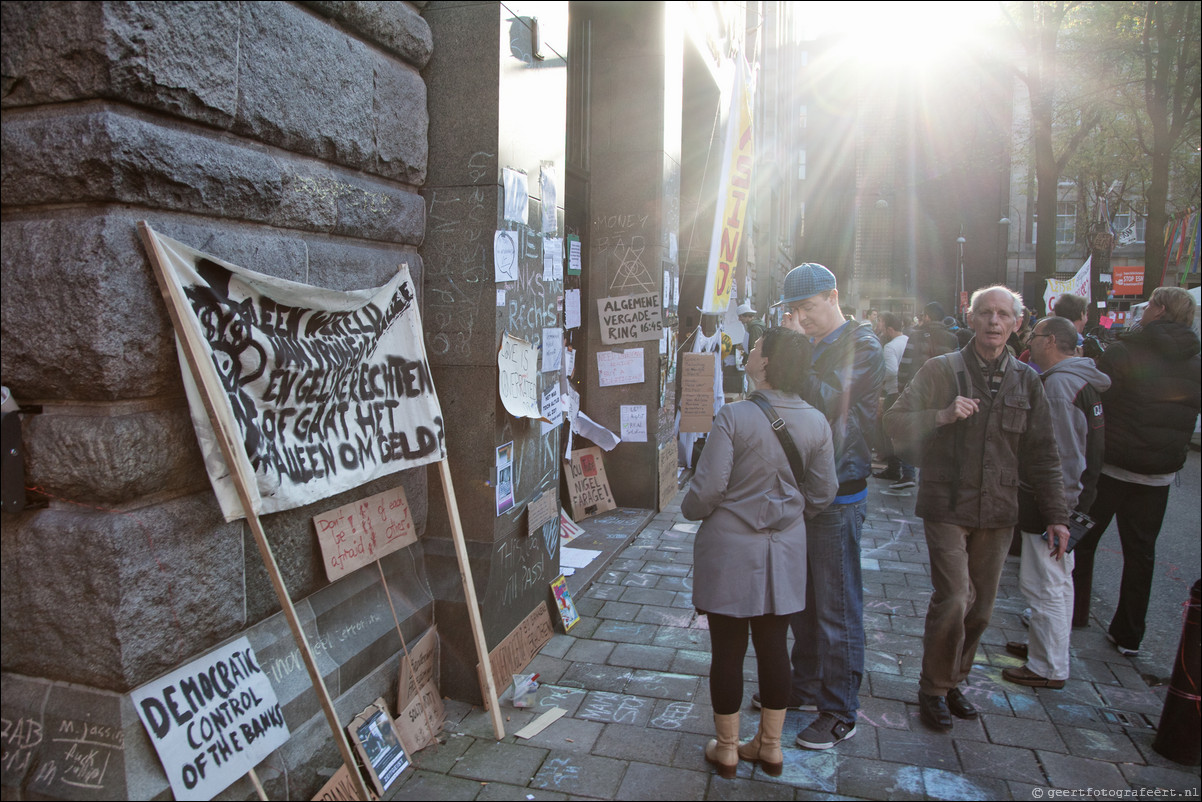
(207,383)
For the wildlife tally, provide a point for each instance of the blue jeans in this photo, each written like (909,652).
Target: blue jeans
(828,635)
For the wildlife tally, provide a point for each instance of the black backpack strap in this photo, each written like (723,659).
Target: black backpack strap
(782,434)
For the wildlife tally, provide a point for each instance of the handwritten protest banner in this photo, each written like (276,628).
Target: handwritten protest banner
(212,720)
(329,390)
(588,486)
(697,392)
(630,318)
(359,533)
(421,720)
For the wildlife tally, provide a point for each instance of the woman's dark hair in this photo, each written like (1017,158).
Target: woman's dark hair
(789,354)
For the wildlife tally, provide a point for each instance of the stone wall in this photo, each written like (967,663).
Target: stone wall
(287,138)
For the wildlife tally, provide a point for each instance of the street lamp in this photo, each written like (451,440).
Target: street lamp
(963,290)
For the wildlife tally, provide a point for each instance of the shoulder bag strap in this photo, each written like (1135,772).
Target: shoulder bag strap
(956,359)
(782,434)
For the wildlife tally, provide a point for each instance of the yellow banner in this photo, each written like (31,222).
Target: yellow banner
(733,195)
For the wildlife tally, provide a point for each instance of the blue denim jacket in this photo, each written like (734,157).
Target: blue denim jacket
(845,383)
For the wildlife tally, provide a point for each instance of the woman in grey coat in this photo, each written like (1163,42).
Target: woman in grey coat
(749,559)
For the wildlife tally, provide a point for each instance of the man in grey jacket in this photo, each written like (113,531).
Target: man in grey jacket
(976,415)
(1074,386)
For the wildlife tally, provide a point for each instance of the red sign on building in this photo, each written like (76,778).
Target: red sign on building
(1128,280)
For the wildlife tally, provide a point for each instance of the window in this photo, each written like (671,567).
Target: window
(802,117)
(801,164)
(1066,223)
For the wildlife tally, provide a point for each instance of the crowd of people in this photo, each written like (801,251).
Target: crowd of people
(1011,428)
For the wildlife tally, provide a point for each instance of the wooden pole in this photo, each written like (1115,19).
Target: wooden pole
(208,384)
(469,590)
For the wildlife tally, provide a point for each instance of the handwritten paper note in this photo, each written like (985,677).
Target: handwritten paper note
(620,367)
(517,363)
(696,392)
(552,349)
(571,309)
(574,262)
(359,533)
(546,181)
(505,255)
(630,318)
(634,423)
(517,196)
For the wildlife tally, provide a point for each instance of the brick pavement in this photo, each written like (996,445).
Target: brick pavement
(632,676)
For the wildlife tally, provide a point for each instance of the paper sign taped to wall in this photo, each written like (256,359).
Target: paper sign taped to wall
(630,318)
(696,392)
(540,510)
(517,363)
(588,487)
(620,367)
(359,533)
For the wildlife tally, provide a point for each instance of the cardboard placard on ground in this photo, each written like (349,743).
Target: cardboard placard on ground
(378,742)
(668,472)
(696,392)
(243,720)
(418,668)
(421,720)
(588,487)
(359,533)
(340,788)
(519,648)
(630,318)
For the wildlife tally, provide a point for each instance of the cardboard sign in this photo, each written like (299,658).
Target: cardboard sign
(588,487)
(376,739)
(421,720)
(541,510)
(359,533)
(340,788)
(668,473)
(696,392)
(517,363)
(519,648)
(212,720)
(630,318)
(418,668)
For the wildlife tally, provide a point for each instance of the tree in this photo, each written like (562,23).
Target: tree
(1170,51)
(1037,27)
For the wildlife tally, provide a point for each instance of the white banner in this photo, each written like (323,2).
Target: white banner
(327,390)
(1077,285)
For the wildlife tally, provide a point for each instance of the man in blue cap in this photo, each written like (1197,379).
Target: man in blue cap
(845,383)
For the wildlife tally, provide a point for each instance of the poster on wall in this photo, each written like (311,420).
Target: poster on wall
(504,477)
(212,720)
(328,390)
(630,318)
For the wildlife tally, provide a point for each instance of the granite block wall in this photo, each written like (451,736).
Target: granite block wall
(289,138)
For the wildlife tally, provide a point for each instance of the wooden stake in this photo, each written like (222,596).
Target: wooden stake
(469,590)
(230,449)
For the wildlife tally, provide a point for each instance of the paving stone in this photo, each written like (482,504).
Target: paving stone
(683,599)
(667,616)
(497,761)
(1067,771)
(594,677)
(806,769)
(1002,762)
(568,735)
(649,596)
(876,779)
(686,661)
(695,717)
(1010,731)
(746,790)
(581,775)
(549,669)
(663,685)
(1185,783)
(675,583)
(611,577)
(616,708)
(478,724)
(627,742)
(590,606)
(645,781)
(586,627)
(618,611)
(921,747)
(1074,715)
(625,632)
(624,563)
(500,791)
(1098,745)
(605,592)
(561,696)
(885,714)
(667,569)
(590,651)
(558,645)
(431,785)
(1128,700)
(441,756)
(677,638)
(939,784)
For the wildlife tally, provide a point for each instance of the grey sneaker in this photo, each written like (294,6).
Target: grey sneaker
(904,484)
(794,704)
(1120,648)
(825,732)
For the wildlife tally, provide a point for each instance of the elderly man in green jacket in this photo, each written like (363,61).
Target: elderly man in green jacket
(971,417)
